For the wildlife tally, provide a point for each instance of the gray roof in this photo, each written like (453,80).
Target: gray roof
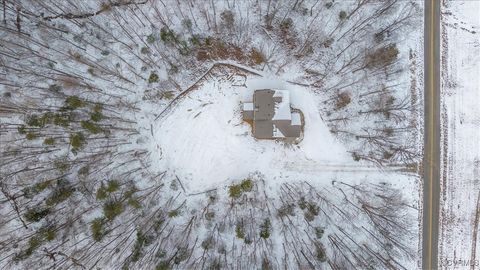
(264,105)
(264,110)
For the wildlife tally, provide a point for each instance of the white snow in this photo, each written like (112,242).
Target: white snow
(248,106)
(282,108)
(461,117)
(296,119)
(206,143)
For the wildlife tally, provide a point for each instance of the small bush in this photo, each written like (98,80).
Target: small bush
(60,194)
(319,232)
(91,127)
(84,170)
(98,229)
(227,18)
(112,209)
(163,265)
(134,203)
(207,243)
(97,115)
(153,78)
(286,24)
(320,253)
(105,52)
(265,229)
(31,136)
(62,119)
(173,213)
(246,185)
(55,88)
(239,230)
(61,165)
(48,233)
(343,99)
(286,210)
(36,214)
(77,141)
(168,36)
(151,38)
(73,102)
(257,57)
(187,23)
(49,141)
(113,186)
(101,193)
(22,129)
(168,94)
(145,50)
(342,15)
(382,57)
(235,191)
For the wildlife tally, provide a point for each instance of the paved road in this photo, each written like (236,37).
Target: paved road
(431,160)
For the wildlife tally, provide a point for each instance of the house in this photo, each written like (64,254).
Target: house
(271,115)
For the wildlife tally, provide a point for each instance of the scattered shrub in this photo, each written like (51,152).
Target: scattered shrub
(48,233)
(62,192)
(153,78)
(173,213)
(36,214)
(151,38)
(22,129)
(343,99)
(61,165)
(235,191)
(207,243)
(62,119)
(31,136)
(73,102)
(112,186)
(320,252)
(168,94)
(77,141)
(286,24)
(49,141)
(55,88)
(112,209)
(98,229)
(239,230)
(84,170)
(91,127)
(382,57)
(101,193)
(257,57)
(187,23)
(319,232)
(145,50)
(97,115)
(286,210)
(265,229)
(227,18)
(168,36)
(342,15)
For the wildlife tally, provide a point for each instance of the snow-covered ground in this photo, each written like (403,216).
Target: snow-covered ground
(461,118)
(205,142)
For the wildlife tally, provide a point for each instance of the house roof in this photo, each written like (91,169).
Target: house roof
(264,104)
(272,116)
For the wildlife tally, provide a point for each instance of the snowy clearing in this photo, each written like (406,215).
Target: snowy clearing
(461,117)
